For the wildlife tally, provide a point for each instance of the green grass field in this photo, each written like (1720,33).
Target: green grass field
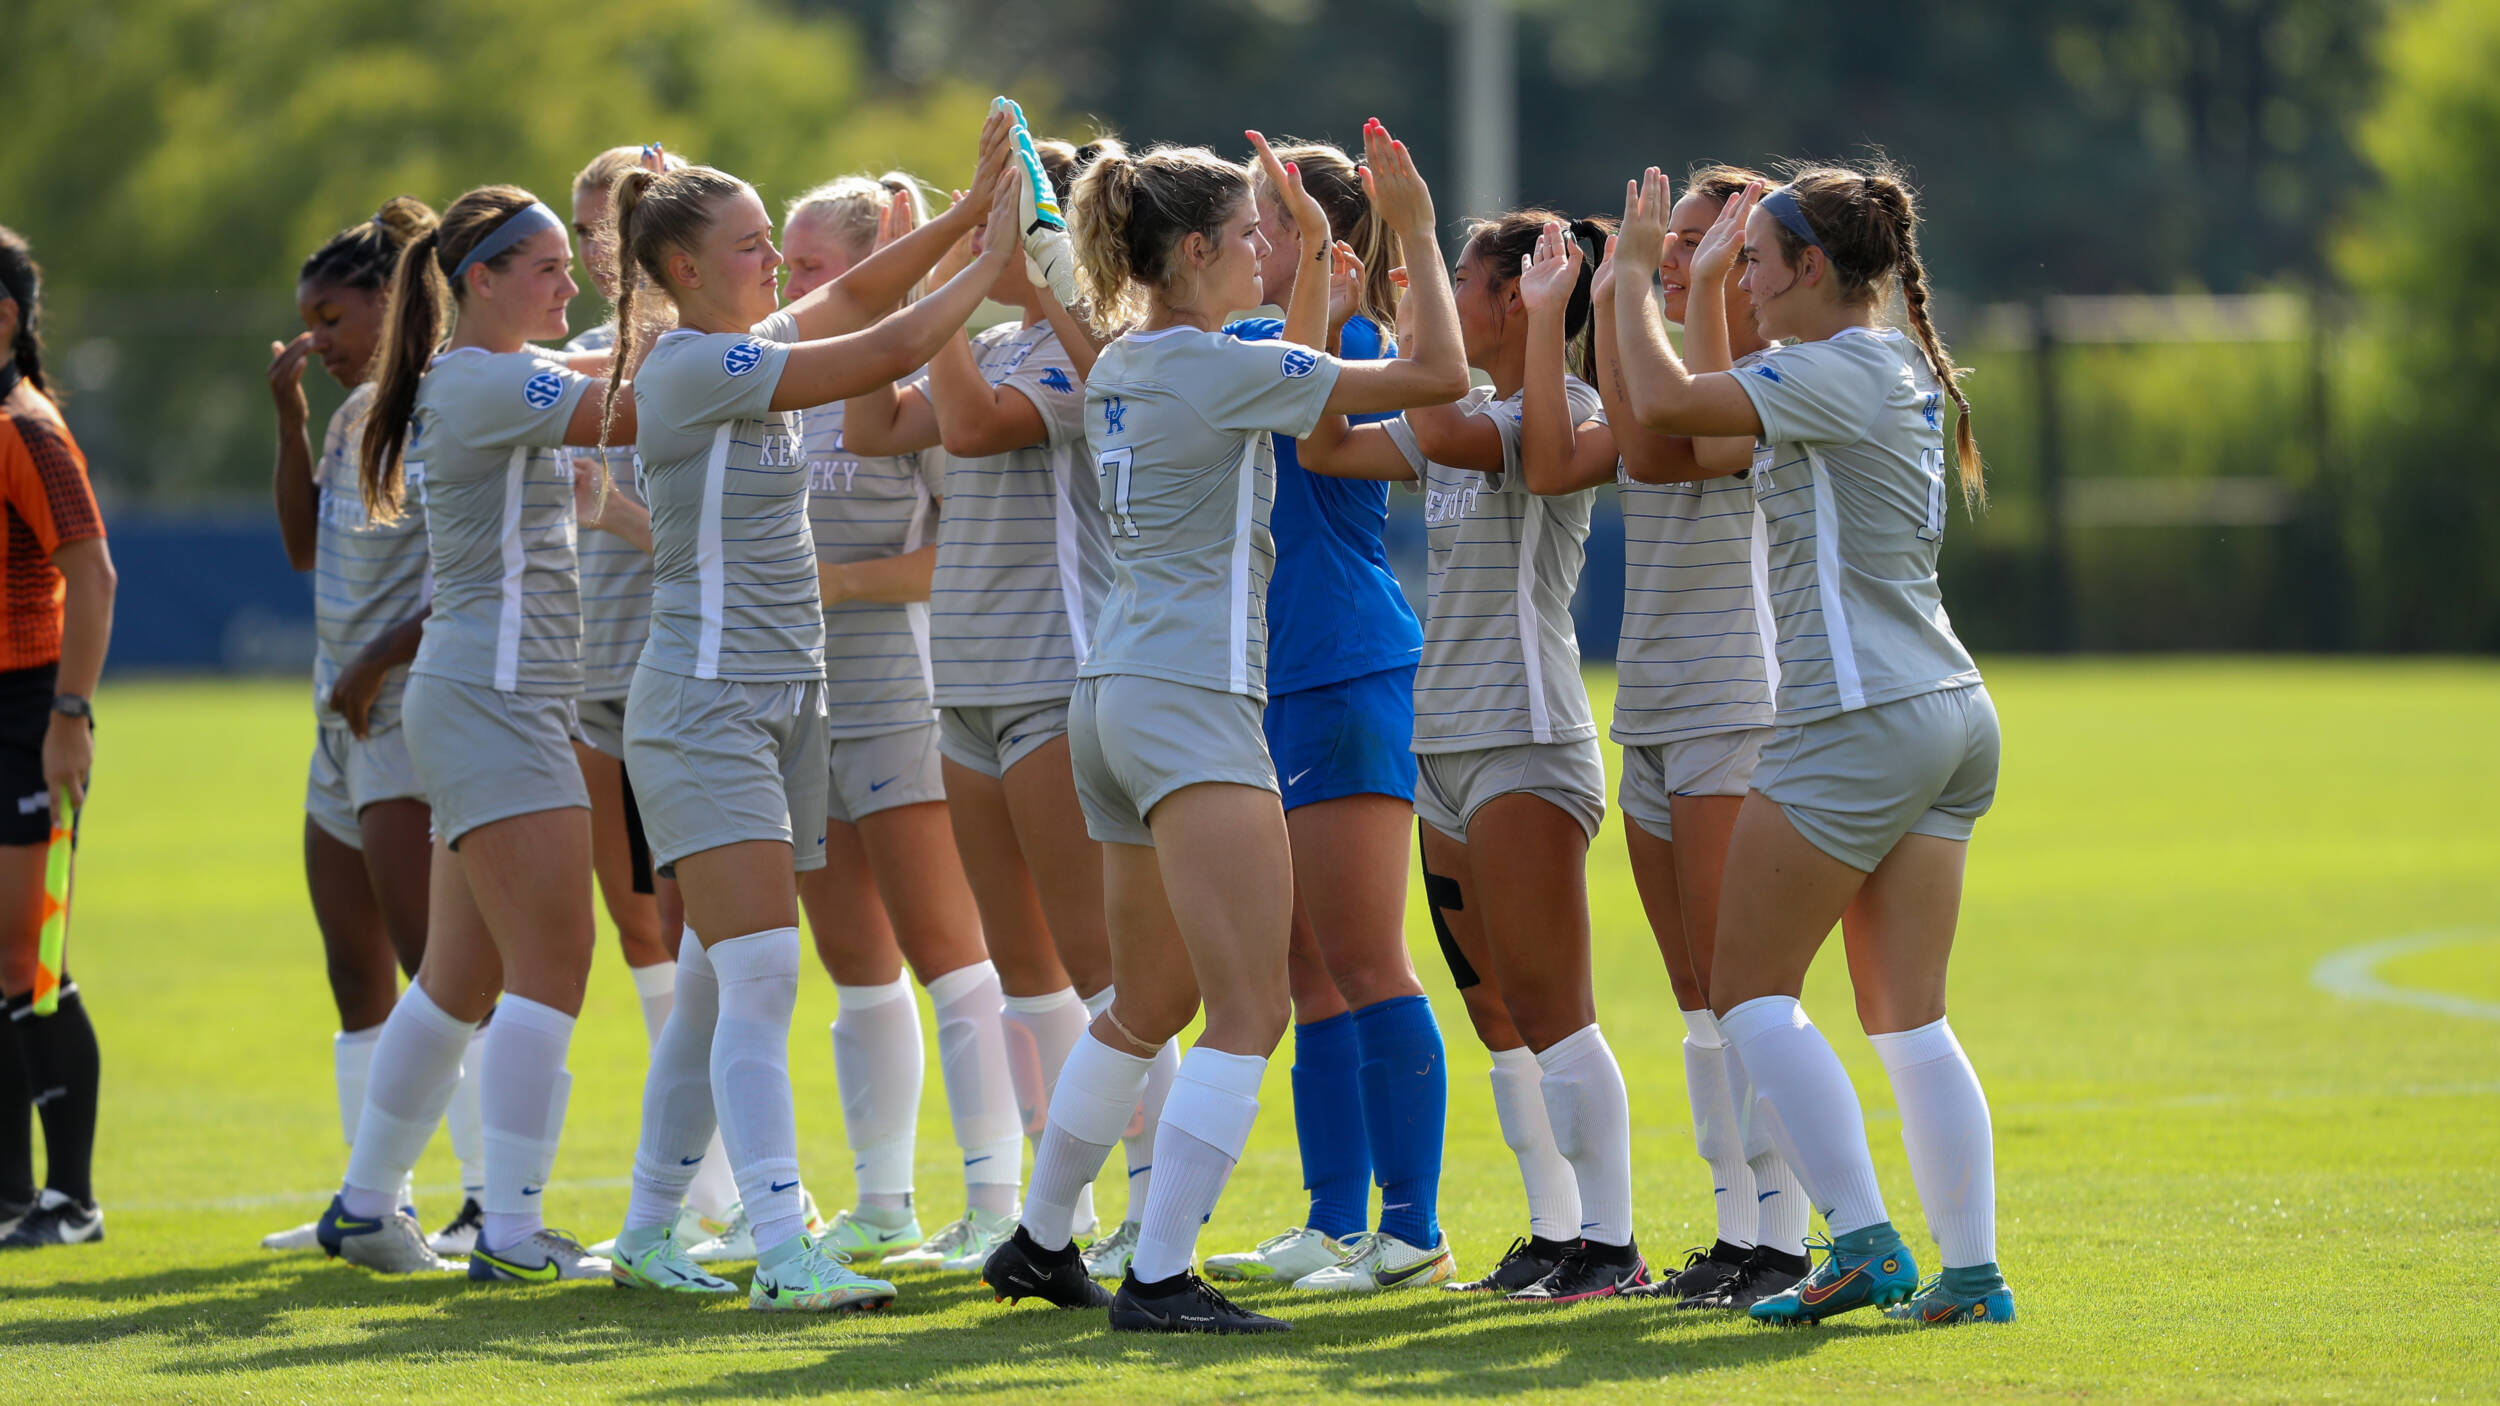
(2219,1181)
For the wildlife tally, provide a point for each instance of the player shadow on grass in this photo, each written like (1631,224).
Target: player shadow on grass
(1419,1344)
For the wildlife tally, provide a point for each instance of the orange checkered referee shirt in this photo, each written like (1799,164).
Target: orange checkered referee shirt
(43,482)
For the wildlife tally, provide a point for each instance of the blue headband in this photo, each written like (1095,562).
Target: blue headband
(517,226)
(1782,204)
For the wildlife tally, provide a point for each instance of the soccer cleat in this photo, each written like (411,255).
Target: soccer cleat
(544,1258)
(1184,1303)
(1383,1261)
(1768,1272)
(1705,1271)
(459,1235)
(735,1239)
(817,1279)
(954,1240)
(1934,1307)
(1590,1271)
(1049,256)
(987,1233)
(865,1241)
(1020,1270)
(392,1244)
(1108,1257)
(1844,1280)
(1284,1257)
(1529,1259)
(55,1220)
(654,1260)
(303,1237)
(690,1228)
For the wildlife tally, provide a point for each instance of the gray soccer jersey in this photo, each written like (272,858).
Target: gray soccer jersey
(733,564)
(1501,661)
(485,447)
(1023,562)
(367,575)
(1855,503)
(616,574)
(876,656)
(1699,651)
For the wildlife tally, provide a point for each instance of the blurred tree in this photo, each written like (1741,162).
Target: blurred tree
(2428,519)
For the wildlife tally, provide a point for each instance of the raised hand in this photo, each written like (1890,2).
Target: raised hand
(1309,220)
(1396,188)
(1641,242)
(997,149)
(1547,276)
(1726,236)
(1602,287)
(1345,283)
(1004,233)
(897,219)
(286,380)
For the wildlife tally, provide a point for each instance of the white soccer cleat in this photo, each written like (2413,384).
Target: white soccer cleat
(395,1245)
(459,1237)
(654,1260)
(816,1279)
(1283,1258)
(302,1237)
(1383,1261)
(1108,1257)
(690,1228)
(953,1240)
(547,1257)
(735,1238)
(988,1232)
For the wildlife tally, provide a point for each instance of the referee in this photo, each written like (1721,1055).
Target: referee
(56,613)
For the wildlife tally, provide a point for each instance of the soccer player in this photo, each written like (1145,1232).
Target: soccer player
(1692,707)
(1023,561)
(1370,1077)
(892,890)
(1885,743)
(725,729)
(366,823)
(58,576)
(483,419)
(1510,778)
(1171,760)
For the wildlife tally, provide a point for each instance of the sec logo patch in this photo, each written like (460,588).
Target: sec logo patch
(741,358)
(1299,362)
(542,391)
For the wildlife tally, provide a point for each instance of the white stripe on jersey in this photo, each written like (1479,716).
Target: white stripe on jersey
(1071,553)
(1827,571)
(515,561)
(1531,629)
(1245,506)
(711,569)
(1765,623)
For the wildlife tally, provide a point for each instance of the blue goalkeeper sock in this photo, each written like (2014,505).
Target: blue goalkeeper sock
(1406,1099)
(1328,1122)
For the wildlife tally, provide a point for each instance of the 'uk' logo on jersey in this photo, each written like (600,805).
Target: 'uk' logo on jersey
(1058,381)
(1113,413)
(1933,409)
(542,391)
(741,358)
(1299,363)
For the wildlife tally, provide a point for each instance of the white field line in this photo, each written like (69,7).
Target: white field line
(2353,973)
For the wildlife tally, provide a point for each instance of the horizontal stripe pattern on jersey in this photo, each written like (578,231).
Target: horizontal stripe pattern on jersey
(367,576)
(733,560)
(1179,422)
(1854,501)
(1335,610)
(486,456)
(1698,652)
(1501,663)
(616,574)
(862,509)
(1023,562)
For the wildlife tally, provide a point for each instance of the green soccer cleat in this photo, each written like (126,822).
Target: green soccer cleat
(1939,1307)
(866,1241)
(652,1259)
(808,1277)
(1284,1258)
(1876,1272)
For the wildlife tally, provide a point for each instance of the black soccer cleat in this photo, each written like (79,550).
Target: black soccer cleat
(56,1220)
(1020,1270)
(1768,1272)
(1529,1259)
(1184,1303)
(1590,1271)
(1705,1271)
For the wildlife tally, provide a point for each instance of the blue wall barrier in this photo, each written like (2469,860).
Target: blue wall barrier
(211,591)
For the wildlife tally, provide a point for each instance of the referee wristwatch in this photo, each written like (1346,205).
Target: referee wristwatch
(70,705)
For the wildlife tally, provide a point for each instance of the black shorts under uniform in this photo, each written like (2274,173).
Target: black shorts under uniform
(25,712)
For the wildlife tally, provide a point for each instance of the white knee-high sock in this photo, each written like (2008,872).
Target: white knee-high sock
(463,1121)
(1780,1207)
(522,1102)
(1206,1124)
(1097,1094)
(878,1064)
(678,1127)
(759,986)
(980,1093)
(1519,1105)
(657,986)
(416,1064)
(1592,1120)
(1041,1032)
(1952,1145)
(1817,1123)
(351,1065)
(714,1191)
(1716,1132)
(1139,1140)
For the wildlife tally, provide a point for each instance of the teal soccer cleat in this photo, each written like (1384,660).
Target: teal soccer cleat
(1856,1276)
(1938,1307)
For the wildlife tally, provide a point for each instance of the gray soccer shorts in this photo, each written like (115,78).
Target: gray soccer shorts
(715,762)
(484,755)
(1450,787)
(1854,783)
(870,774)
(993,738)
(1720,764)
(1134,740)
(349,773)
